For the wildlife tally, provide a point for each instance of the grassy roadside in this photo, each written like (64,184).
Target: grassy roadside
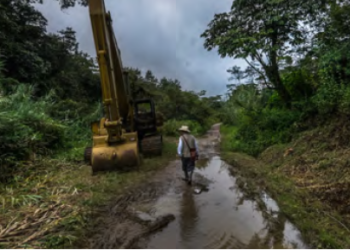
(319,223)
(50,205)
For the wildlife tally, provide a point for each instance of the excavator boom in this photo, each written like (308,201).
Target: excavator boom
(115,141)
(121,134)
(115,90)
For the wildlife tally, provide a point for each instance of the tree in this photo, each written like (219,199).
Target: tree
(49,62)
(21,32)
(236,73)
(264,33)
(64,3)
(150,77)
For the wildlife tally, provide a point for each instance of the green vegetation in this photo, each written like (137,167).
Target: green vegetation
(289,108)
(179,107)
(50,204)
(49,94)
(320,225)
(295,74)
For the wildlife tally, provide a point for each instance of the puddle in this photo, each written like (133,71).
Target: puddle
(220,217)
(271,205)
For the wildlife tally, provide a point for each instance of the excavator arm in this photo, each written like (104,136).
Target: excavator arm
(115,141)
(115,90)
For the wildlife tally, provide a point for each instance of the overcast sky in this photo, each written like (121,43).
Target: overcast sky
(160,35)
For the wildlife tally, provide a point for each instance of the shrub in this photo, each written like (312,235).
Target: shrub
(171,126)
(28,129)
(258,130)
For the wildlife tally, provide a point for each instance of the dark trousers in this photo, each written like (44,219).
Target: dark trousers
(188,167)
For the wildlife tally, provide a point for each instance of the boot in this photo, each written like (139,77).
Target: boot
(186,176)
(190,178)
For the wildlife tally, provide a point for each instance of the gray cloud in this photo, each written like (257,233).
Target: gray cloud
(160,35)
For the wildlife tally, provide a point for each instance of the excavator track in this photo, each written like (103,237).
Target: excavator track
(152,145)
(87,155)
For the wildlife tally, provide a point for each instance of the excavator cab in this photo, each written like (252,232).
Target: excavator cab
(145,116)
(147,124)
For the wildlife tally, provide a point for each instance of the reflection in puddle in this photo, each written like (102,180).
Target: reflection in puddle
(271,205)
(220,217)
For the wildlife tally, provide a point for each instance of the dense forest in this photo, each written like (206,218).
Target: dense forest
(50,91)
(298,71)
(298,57)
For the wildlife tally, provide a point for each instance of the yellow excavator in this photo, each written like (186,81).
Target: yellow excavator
(130,128)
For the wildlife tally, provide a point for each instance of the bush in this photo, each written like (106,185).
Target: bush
(258,130)
(78,134)
(344,101)
(171,126)
(28,129)
(332,98)
(326,98)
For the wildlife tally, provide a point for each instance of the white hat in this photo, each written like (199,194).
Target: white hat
(184,129)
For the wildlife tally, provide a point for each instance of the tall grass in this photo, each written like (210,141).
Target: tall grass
(31,128)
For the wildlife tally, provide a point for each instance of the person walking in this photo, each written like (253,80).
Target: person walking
(188,151)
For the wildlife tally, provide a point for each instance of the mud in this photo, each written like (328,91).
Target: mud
(166,212)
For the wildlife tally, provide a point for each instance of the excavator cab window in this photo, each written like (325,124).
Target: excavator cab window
(145,116)
(144,106)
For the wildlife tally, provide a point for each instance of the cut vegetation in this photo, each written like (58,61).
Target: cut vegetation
(52,203)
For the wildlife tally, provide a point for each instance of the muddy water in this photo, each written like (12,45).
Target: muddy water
(213,213)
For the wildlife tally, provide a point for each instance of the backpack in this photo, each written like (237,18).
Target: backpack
(193,153)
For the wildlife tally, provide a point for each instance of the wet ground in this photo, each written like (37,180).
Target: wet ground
(212,213)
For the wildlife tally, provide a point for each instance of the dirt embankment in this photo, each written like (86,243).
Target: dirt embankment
(310,179)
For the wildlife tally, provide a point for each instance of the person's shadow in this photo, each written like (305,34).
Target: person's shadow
(188,218)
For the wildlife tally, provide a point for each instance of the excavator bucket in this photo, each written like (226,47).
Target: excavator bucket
(108,157)
(115,157)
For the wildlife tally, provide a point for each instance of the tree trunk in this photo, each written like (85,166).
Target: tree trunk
(274,75)
(275,78)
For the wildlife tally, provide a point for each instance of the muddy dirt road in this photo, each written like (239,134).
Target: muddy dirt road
(165,212)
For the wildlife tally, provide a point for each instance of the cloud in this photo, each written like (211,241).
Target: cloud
(160,35)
